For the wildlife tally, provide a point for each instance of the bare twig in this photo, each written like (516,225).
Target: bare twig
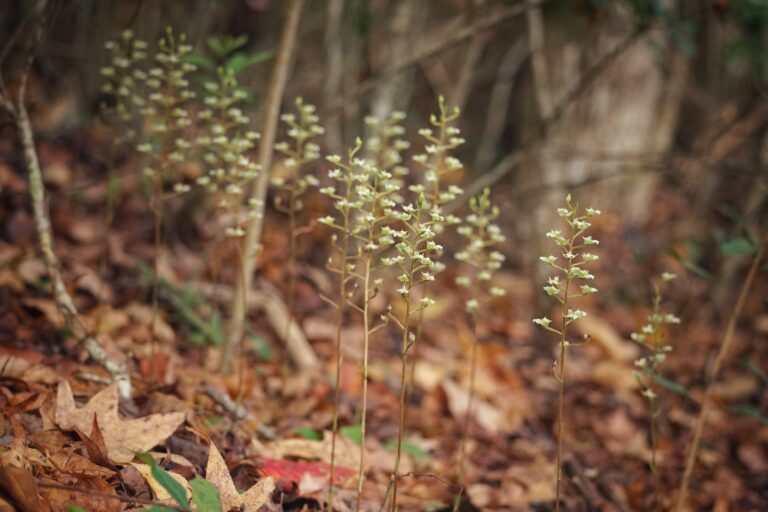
(713,374)
(252,240)
(17,109)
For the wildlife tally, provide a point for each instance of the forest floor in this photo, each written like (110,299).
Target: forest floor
(284,426)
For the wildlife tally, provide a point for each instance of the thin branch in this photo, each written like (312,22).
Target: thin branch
(252,238)
(18,111)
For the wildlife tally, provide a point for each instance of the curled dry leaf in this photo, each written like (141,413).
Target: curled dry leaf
(122,437)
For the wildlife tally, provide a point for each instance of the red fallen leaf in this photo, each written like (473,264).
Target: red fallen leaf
(294,470)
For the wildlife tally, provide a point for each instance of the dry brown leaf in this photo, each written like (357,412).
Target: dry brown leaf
(488,416)
(251,500)
(20,485)
(123,438)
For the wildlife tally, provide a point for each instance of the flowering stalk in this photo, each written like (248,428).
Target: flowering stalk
(373,195)
(225,144)
(481,261)
(416,259)
(570,265)
(292,188)
(652,337)
(165,113)
(346,174)
(437,162)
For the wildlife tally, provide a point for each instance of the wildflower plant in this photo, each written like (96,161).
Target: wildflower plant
(159,98)
(416,259)
(373,237)
(386,145)
(345,178)
(571,280)
(121,78)
(653,338)
(480,260)
(303,126)
(225,142)
(437,161)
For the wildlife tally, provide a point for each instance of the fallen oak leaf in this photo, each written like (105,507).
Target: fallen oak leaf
(123,438)
(253,499)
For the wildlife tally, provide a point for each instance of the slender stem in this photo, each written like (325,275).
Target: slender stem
(403,391)
(343,274)
(157,213)
(724,346)
(561,395)
(654,466)
(291,261)
(472,390)
(366,340)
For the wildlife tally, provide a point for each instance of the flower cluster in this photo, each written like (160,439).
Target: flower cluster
(441,139)
(386,144)
(482,235)
(652,336)
(121,78)
(225,142)
(157,99)
(416,249)
(570,263)
(302,128)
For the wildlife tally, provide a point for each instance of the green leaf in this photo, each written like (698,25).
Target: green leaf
(164,478)
(217,45)
(309,433)
(736,246)
(217,331)
(750,410)
(214,420)
(241,60)
(73,508)
(414,450)
(157,508)
(671,385)
(261,346)
(259,57)
(205,495)
(200,61)
(692,266)
(353,432)
(759,372)
(236,63)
